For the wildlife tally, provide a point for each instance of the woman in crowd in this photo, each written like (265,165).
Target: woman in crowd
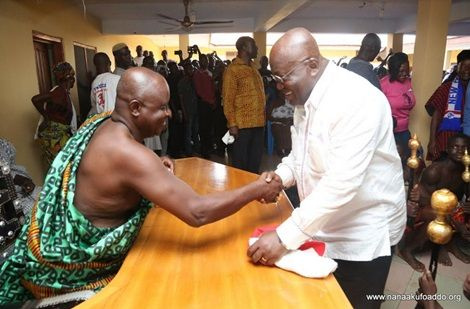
(397,88)
(58,117)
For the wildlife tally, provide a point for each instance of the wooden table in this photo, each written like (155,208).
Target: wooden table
(173,265)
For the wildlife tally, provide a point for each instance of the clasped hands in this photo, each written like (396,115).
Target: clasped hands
(268,248)
(272,186)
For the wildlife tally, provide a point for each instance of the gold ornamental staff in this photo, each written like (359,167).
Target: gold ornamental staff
(443,202)
(413,164)
(466,178)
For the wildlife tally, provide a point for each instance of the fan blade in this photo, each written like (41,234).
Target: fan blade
(213,28)
(167,23)
(182,28)
(173,29)
(169,17)
(213,22)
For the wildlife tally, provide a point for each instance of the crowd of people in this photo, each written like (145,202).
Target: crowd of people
(202,108)
(448,141)
(342,135)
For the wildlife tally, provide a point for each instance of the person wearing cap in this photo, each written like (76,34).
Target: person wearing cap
(58,117)
(122,58)
(446,106)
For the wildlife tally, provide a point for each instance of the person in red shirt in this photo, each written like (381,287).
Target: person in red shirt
(445,108)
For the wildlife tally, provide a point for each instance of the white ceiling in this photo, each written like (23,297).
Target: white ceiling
(319,16)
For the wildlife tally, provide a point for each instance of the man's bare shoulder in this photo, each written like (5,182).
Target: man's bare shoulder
(433,173)
(113,146)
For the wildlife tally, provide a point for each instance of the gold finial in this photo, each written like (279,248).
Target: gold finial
(466,163)
(413,144)
(443,202)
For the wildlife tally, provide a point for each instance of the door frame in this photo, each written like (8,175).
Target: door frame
(84,101)
(57,47)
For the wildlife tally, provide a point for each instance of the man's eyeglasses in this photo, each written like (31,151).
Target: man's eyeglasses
(165,107)
(282,79)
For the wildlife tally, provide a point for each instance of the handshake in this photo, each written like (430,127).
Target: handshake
(271,186)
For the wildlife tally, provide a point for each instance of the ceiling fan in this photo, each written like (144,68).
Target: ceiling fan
(188,22)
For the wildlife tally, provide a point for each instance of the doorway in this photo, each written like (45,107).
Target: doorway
(48,51)
(85,73)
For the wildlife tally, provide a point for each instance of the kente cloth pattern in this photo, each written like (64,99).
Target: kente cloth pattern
(52,137)
(439,102)
(58,250)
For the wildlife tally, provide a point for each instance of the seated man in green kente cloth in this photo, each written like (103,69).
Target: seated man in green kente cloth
(98,191)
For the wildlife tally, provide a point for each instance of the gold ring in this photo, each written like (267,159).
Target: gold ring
(263,259)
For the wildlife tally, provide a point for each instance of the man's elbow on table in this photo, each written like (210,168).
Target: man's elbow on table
(196,214)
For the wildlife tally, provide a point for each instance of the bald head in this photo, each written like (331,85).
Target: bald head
(370,47)
(140,83)
(295,45)
(242,42)
(142,97)
(246,48)
(297,64)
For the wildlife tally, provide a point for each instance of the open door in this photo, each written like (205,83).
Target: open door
(85,72)
(48,51)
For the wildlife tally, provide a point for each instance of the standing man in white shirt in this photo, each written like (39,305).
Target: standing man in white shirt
(103,87)
(346,166)
(139,59)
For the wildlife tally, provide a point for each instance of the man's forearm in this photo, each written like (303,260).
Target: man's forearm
(216,206)
(285,171)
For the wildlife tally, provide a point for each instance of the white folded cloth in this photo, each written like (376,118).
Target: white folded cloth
(306,263)
(228,138)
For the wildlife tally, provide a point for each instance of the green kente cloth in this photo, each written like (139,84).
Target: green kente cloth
(59,250)
(52,137)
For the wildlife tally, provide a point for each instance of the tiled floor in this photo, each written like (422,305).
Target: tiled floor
(402,278)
